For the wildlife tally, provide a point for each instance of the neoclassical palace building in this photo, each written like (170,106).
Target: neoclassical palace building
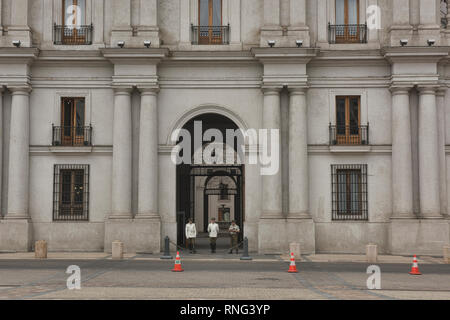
(94,92)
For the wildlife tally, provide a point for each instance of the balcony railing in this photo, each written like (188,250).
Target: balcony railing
(349,135)
(347,33)
(72,136)
(210,34)
(76,35)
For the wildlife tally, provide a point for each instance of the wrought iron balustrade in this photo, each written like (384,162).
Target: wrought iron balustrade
(347,33)
(349,135)
(73,35)
(210,34)
(72,136)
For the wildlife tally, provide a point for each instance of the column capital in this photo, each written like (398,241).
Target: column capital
(271,90)
(400,90)
(122,90)
(153,90)
(441,91)
(297,90)
(19,89)
(427,89)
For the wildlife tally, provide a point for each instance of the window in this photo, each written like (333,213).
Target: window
(349,192)
(73,30)
(72,132)
(71,193)
(348,28)
(74,13)
(210,29)
(223,192)
(348,116)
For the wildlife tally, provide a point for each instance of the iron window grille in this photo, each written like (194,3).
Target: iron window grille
(347,33)
(349,192)
(71,192)
(72,35)
(210,34)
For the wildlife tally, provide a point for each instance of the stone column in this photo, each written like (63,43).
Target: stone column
(19,28)
(322,21)
(235,21)
(298,155)
(272,13)
(272,195)
(1,9)
(402,177)
(440,99)
(185,24)
(19,143)
(429,13)
(448,15)
(1,142)
(148,21)
(401,27)
(122,155)
(297,13)
(148,155)
(400,13)
(428,154)
(121,29)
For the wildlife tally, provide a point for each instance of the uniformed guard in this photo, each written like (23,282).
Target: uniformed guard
(213,230)
(234,235)
(191,234)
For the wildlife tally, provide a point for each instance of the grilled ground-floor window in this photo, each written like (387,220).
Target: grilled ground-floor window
(349,192)
(71,192)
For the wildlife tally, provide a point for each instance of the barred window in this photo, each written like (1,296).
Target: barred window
(71,192)
(349,192)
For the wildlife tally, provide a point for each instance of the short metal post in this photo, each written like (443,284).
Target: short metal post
(245,255)
(166,249)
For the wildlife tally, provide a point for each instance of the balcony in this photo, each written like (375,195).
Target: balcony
(347,33)
(72,136)
(349,135)
(76,35)
(210,35)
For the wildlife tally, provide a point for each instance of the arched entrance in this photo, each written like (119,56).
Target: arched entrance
(209,190)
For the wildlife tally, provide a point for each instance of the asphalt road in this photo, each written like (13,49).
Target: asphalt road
(222,279)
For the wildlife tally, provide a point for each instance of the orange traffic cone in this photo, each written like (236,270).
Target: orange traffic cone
(292,267)
(177,267)
(415,267)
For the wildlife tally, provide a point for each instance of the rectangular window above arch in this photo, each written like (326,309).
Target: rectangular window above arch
(210,29)
(73,29)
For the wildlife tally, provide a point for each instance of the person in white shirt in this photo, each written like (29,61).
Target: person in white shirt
(213,230)
(191,234)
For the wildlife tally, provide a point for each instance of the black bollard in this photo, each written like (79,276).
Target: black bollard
(166,249)
(245,255)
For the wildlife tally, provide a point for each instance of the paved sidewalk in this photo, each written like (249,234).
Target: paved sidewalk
(324,258)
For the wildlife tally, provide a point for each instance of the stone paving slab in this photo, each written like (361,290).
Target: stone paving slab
(330,258)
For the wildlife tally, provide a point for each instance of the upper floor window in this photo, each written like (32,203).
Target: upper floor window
(72,131)
(348,129)
(444,13)
(74,13)
(348,28)
(73,30)
(210,29)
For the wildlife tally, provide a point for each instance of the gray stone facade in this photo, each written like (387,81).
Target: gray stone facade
(135,97)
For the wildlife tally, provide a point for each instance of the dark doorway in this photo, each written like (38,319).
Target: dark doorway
(189,175)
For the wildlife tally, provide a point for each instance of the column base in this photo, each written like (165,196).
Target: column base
(16,235)
(418,236)
(22,33)
(275,235)
(302,230)
(137,235)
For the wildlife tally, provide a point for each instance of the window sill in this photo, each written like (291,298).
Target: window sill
(71,149)
(350,149)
